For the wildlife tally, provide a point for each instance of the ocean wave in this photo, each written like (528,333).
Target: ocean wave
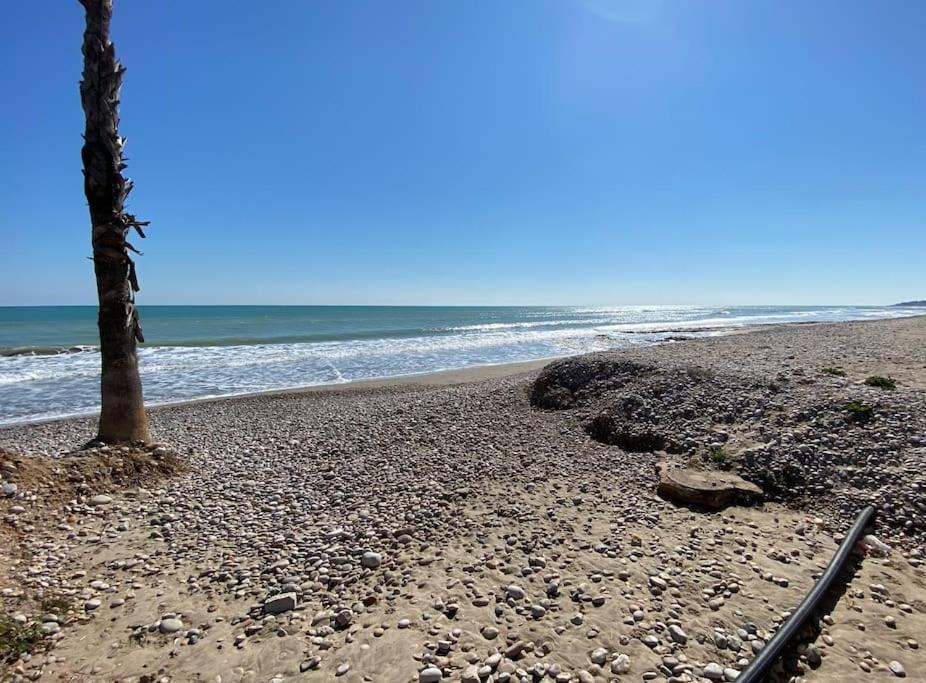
(43,386)
(11,352)
(488,327)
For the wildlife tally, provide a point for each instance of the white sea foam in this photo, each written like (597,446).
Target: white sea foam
(35,387)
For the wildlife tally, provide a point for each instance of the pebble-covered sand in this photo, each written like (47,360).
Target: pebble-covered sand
(458,533)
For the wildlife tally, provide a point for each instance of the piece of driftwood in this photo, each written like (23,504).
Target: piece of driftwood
(707,488)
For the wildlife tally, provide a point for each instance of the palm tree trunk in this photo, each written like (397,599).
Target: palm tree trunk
(122,416)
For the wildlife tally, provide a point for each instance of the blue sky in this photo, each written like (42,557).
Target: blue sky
(481,151)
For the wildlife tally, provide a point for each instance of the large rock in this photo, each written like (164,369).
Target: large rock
(707,488)
(277,604)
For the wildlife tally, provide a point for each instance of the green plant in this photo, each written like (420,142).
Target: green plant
(860,412)
(881,382)
(16,639)
(836,371)
(718,456)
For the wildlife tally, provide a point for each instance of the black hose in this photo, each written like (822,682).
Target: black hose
(758,667)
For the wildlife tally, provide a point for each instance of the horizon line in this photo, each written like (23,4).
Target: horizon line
(581,305)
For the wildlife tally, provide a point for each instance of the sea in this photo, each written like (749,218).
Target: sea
(50,364)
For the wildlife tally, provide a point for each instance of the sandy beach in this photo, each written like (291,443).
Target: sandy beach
(479,525)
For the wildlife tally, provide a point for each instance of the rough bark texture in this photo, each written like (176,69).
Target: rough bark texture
(122,416)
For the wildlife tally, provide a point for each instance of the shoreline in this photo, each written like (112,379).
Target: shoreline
(436,378)
(445,377)
(365,517)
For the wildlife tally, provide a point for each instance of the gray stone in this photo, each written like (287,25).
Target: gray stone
(658,583)
(371,560)
(677,634)
(430,675)
(713,671)
(170,625)
(50,628)
(620,665)
(814,659)
(277,604)
(310,663)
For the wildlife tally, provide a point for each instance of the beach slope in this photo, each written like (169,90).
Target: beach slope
(427,531)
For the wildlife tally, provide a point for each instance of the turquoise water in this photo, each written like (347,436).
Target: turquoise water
(49,365)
